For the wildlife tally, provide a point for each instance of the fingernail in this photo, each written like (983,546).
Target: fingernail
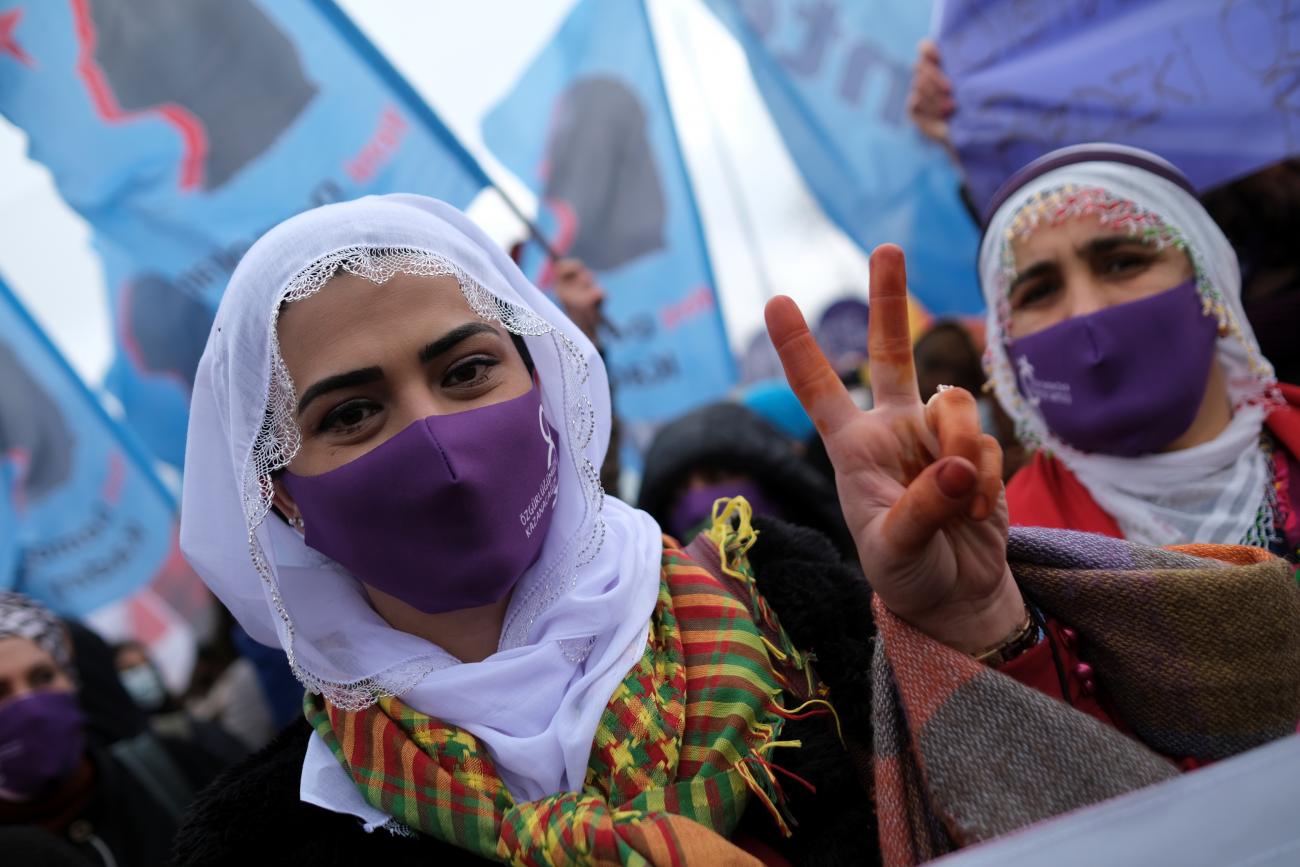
(955,478)
(979,508)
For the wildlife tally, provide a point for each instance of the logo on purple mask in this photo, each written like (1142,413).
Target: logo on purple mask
(542,504)
(1038,390)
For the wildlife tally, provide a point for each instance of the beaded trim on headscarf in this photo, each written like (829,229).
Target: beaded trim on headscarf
(23,617)
(1272,529)
(1051,208)
(278,441)
(1263,533)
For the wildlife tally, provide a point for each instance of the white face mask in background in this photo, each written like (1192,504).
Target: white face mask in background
(144,686)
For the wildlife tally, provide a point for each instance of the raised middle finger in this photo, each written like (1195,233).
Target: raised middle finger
(889,341)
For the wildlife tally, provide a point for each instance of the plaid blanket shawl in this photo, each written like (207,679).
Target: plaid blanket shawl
(1199,650)
(678,754)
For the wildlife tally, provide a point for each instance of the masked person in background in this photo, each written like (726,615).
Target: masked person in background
(1118,344)
(143,681)
(141,678)
(113,804)
(725,450)
(503,664)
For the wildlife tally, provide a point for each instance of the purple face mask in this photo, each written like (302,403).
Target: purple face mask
(448,514)
(1127,380)
(696,506)
(41,742)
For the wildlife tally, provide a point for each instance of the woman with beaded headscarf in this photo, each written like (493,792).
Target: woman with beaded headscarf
(1118,344)
(75,786)
(391,474)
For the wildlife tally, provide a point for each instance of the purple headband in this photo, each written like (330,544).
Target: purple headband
(1086,153)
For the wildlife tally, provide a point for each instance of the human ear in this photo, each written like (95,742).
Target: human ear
(285,506)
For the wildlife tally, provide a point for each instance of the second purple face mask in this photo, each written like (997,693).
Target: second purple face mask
(1127,380)
(446,515)
(41,741)
(696,506)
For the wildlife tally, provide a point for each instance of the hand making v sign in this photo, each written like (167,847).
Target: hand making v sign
(920,485)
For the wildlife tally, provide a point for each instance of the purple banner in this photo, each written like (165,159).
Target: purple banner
(1211,85)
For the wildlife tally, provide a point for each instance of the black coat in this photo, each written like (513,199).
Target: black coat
(253,814)
(128,821)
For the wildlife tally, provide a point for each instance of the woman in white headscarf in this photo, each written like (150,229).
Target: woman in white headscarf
(1118,343)
(391,473)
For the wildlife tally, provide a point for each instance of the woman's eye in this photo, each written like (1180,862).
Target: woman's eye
(346,417)
(1125,264)
(1034,293)
(42,675)
(470,372)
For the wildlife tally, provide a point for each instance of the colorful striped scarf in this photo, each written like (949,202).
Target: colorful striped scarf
(1198,648)
(685,736)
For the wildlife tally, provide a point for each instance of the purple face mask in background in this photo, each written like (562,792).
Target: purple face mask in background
(41,742)
(448,514)
(1127,380)
(696,506)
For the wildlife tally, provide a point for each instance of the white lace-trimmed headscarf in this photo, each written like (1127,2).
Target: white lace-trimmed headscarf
(1218,491)
(578,619)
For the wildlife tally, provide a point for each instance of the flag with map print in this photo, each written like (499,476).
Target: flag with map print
(86,527)
(183,131)
(589,129)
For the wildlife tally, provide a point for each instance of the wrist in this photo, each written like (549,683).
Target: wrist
(1026,635)
(974,625)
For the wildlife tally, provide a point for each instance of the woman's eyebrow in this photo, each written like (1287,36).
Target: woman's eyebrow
(338,381)
(452,337)
(1101,246)
(1035,270)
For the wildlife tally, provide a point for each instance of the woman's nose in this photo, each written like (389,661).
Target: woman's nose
(1085,296)
(418,402)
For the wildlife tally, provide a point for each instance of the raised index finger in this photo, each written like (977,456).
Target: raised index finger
(889,342)
(810,375)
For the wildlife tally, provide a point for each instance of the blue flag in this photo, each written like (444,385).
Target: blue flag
(835,76)
(85,525)
(1211,85)
(588,128)
(183,131)
(84,520)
